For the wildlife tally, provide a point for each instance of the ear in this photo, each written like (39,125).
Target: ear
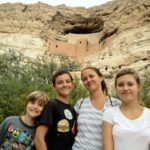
(73,85)
(139,88)
(101,79)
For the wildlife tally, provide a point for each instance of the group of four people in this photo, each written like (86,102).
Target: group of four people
(103,122)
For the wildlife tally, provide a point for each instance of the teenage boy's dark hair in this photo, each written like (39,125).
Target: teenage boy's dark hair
(60,72)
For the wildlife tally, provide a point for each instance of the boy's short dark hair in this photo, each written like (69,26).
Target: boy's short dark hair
(60,72)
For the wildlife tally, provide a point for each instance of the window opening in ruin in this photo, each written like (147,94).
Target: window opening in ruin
(144,59)
(120,67)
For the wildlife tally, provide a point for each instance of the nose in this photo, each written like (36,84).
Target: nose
(125,87)
(65,83)
(88,79)
(36,106)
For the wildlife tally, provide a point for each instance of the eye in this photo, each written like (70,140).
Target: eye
(32,102)
(41,104)
(120,84)
(59,82)
(84,78)
(68,81)
(91,76)
(130,84)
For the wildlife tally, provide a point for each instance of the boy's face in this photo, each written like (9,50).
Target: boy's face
(34,109)
(63,85)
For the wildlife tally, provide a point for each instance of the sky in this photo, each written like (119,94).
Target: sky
(72,3)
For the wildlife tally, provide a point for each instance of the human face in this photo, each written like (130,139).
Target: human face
(127,88)
(34,109)
(63,86)
(91,80)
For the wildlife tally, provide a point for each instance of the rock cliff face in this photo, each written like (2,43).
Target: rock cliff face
(109,36)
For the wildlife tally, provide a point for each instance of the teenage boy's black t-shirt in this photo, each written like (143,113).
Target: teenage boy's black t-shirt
(60,118)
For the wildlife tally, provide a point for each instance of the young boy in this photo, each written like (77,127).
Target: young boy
(17,132)
(56,124)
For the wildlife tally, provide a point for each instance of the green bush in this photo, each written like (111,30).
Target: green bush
(145,94)
(18,79)
(79,91)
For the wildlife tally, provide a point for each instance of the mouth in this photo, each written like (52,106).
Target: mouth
(90,83)
(66,89)
(35,111)
(126,93)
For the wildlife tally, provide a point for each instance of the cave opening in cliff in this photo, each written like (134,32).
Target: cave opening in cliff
(82,30)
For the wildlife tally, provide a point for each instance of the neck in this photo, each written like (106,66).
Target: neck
(132,111)
(98,99)
(130,106)
(27,120)
(64,99)
(98,96)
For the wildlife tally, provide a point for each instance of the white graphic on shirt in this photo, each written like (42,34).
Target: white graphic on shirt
(68,114)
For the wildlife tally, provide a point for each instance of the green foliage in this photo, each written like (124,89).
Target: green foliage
(145,96)
(108,76)
(67,63)
(20,75)
(79,91)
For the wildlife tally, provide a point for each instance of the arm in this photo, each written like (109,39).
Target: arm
(107,136)
(40,134)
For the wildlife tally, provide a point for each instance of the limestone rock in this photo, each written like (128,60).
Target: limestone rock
(109,36)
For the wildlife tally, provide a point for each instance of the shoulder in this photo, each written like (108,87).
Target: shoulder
(51,103)
(147,111)
(80,103)
(145,116)
(115,101)
(110,114)
(112,102)
(50,107)
(11,119)
(82,100)
(112,110)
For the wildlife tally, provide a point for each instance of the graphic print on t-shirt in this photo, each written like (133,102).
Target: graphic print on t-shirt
(63,125)
(17,139)
(68,114)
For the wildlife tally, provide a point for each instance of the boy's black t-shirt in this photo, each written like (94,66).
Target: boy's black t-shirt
(60,118)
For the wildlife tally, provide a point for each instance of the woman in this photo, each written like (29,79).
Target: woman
(57,121)
(90,110)
(127,127)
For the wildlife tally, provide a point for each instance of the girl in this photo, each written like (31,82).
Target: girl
(56,123)
(90,110)
(127,127)
(18,132)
